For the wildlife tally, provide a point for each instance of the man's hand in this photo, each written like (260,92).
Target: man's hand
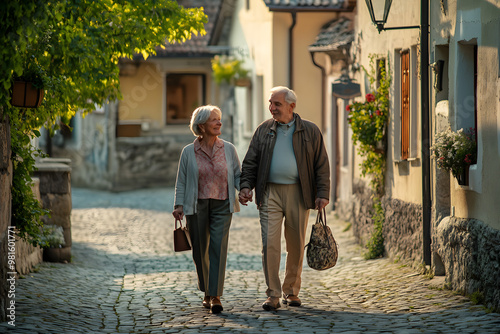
(245,196)
(321,203)
(178,212)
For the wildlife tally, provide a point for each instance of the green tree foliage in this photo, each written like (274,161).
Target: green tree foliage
(73,47)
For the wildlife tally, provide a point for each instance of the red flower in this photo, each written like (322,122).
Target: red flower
(348,107)
(369,97)
(379,113)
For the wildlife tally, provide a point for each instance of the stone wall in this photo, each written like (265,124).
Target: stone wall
(403,231)
(402,227)
(467,251)
(147,161)
(27,255)
(5,205)
(55,191)
(362,207)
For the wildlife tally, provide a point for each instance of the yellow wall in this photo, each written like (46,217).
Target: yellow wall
(142,95)
(403,179)
(306,76)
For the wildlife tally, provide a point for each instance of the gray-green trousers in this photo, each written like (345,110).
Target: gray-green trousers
(209,231)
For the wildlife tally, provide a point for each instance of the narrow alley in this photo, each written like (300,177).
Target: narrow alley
(126,278)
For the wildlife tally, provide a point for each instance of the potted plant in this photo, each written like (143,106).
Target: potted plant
(28,89)
(455,152)
(53,242)
(227,69)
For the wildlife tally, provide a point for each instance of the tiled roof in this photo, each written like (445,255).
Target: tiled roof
(197,46)
(306,4)
(333,35)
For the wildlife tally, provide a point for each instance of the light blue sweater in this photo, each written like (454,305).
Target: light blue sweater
(186,184)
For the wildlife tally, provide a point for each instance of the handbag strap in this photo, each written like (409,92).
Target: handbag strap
(180,223)
(321,217)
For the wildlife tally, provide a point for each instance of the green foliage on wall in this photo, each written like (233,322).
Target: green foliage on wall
(375,246)
(72,49)
(368,120)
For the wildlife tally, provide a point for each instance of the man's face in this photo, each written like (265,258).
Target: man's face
(280,109)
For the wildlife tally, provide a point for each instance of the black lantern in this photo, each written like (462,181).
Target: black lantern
(379,10)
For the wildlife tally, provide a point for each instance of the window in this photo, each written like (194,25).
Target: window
(405,104)
(465,100)
(185,92)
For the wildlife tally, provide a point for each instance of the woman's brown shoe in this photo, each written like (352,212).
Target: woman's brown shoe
(206,302)
(215,305)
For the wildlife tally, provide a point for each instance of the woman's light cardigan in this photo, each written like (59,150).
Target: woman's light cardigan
(186,184)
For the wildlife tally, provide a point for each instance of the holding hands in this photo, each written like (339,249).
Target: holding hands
(245,196)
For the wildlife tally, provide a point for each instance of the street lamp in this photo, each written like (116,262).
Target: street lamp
(379,11)
(379,18)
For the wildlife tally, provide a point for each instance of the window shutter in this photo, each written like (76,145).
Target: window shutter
(405,104)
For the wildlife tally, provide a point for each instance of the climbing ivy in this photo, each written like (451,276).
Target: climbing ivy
(368,120)
(72,49)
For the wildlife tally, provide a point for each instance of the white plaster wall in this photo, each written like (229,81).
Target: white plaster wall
(462,24)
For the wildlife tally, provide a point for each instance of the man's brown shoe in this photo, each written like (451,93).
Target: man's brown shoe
(206,302)
(291,300)
(271,304)
(215,305)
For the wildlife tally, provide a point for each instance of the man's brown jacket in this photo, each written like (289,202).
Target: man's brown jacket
(310,154)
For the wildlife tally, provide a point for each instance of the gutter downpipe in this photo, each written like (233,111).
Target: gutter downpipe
(290,49)
(334,132)
(424,100)
(323,75)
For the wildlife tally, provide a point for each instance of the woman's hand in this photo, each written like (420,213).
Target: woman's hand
(245,195)
(178,212)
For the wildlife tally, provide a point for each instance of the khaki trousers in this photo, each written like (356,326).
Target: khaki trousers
(283,201)
(209,231)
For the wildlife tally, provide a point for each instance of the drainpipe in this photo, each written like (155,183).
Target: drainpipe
(290,49)
(424,100)
(323,75)
(333,132)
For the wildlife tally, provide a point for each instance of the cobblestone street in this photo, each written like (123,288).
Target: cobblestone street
(126,278)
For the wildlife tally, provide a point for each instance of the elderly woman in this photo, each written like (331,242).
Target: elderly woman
(208,174)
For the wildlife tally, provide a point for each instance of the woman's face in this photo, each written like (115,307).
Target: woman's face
(212,127)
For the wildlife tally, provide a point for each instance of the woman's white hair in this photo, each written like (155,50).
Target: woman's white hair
(201,116)
(290,96)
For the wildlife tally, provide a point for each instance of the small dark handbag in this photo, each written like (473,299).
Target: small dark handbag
(182,241)
(322,252)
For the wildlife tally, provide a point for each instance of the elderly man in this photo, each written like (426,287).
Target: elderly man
(288,166)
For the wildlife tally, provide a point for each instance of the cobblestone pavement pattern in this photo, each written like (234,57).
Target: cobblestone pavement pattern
(125,278)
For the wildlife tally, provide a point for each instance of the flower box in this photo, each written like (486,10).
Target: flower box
(25,95)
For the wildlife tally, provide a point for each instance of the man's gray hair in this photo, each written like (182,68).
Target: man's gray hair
(290,96)
(201,116)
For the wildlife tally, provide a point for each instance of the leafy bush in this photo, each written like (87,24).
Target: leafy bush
(53,236)
(375,245)
(227,69)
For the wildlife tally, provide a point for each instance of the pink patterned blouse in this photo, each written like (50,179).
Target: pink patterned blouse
(212,171)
